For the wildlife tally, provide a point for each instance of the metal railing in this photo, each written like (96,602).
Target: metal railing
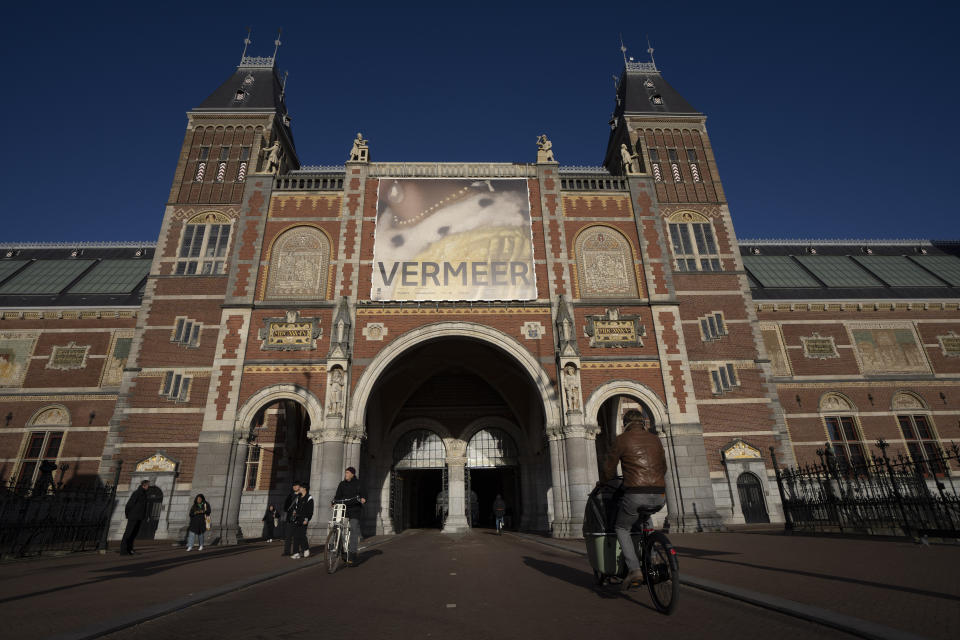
(55,520)
(881,496)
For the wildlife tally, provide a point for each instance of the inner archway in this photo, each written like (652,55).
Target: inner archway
(453,387)
(493,464)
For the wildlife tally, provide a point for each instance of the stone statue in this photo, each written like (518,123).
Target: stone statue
(271,155)
(544,149)
(627,158)
(571,387)
(335,403)
(360,152)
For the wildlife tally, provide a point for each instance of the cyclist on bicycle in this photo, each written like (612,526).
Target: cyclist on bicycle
(354,497)
(499,510)
(644,469)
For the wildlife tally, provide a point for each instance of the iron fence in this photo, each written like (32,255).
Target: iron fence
(880,496)
(37,520)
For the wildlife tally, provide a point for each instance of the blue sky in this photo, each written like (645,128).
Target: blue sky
(832,120)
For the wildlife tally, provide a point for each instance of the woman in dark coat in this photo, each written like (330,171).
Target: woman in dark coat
(199,512)
(270,522)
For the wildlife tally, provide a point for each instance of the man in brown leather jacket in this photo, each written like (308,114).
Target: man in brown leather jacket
(644,467)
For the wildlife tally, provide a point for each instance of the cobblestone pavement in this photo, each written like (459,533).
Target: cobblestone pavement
(428,585)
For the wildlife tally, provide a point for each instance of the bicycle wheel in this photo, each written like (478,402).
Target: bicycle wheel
(331,550)
(662,572)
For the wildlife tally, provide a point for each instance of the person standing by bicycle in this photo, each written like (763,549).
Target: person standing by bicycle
(354,497)
(301,512)
(644,465)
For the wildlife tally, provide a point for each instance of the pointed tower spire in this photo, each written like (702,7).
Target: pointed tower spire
(276,46)
(246,43)
(623,50)
(650,51)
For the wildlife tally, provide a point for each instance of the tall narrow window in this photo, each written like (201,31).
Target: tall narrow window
(175,386)
(202,163)
(674,165)
(712,326)
(203,249)
(244,162)
(253,467)
(42,446)
(693,243)
(222,164)
(694,169)
(655,165)
(186,332)
(846,442)
(724,378)
(921,442)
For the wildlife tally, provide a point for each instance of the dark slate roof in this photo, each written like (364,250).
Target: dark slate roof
(637,96)
(80,275)
(852,269)
(252,87)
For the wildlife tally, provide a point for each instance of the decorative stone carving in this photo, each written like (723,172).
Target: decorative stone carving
(271,157)
(52,416)
(740,450)
(341,336)
(116,360)
(299,262)
(532,330)
(888,349)
(335,385)
(571,387)
(773,343)
(835,402)
(566,337)
(819,347)
(68,356)
(16,347)
(950,344)
(360,152)
(605,264)
(374,331)
(290,333)
(907,401)
(628,160)
(544,149)
(157,463)
(614,330)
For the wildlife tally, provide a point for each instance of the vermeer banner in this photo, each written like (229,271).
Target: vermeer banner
(452,239)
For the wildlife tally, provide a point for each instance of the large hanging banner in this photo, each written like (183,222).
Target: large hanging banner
(453,239)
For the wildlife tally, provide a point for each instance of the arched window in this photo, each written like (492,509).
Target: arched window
(299,262)
(919,433)
(491,448)
(843,430)
(42,445)
(203,247)
(420,449)
(605,264)
(694,247)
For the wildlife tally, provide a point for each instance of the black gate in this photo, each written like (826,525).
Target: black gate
(751,498)
(148,528)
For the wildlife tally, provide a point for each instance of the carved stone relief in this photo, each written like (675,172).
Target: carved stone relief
(740,450)
(614,330)
(116,359)
(290,333)
(68,356)
(907,401)
(888,349)
(16,347)
(299,262)
(157,462)
(52,416)
(374,331)
(950,344)
(835,402)
(819,347)
(605,264)
(532,330)
(773,343)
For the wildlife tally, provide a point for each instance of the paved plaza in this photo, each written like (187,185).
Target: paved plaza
(478,585)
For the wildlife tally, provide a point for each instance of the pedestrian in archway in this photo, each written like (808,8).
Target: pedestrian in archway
(354,497)
(288,517)
(302,511)
(136,512)
(199,522)
(271,521)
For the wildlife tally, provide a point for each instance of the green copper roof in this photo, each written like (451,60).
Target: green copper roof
(46,276)
(898,271)
(945,267)
(778,272)
(113,276)
(7,267)
(839,271)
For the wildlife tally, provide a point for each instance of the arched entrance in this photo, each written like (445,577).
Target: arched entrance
(751,498)
(493,465)
(418,482)
(454,385)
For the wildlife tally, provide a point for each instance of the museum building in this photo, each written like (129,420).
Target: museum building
(458,330)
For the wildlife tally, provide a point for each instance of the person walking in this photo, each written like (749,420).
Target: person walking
(302,510)
(271,521)
(199,518)
(354,497)
(288,518)
(136,512)
(644,483)
(499,511)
